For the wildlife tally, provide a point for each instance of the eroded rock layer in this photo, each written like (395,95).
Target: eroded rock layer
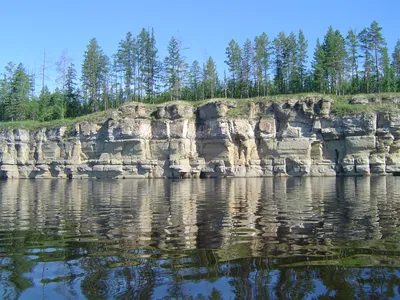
(294,138)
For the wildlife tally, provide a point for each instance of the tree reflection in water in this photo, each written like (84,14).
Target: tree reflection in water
(269,239)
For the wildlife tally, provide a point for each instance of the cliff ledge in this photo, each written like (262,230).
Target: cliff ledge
(295,137)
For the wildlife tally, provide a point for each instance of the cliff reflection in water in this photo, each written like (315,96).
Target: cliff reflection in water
(249,237)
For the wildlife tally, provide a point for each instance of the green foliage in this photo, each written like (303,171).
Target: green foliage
(234,59)
(175,67)
(195,80)
(72,104)
(46,111)
(261,62)
(210,78)
(319,72)
(378,103)
(302,46)
(94,72)
(396,63)
(126,62)
(352,45)
(335,58)
(281,62)
(246,67)
(149,68)
(357,63)
(33,124)
(17,93)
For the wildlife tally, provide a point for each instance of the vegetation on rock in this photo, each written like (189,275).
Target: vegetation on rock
(343,64)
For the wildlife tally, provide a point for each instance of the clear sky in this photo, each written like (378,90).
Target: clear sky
(28,27)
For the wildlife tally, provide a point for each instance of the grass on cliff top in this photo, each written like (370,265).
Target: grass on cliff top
(242,105)
(377,103)
(341,106)
(31,124)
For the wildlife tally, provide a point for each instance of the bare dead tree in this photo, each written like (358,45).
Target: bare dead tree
(62,67)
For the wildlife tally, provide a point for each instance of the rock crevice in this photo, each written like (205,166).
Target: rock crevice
(287,138)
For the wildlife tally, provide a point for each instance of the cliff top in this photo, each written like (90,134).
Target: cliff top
(341,105)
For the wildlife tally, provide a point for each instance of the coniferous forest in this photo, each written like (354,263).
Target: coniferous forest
(342,64)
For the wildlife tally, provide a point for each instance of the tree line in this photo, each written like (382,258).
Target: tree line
(357,62)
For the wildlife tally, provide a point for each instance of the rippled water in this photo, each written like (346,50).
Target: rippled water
(220,239)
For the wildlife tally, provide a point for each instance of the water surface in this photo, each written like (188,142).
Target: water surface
(220,239)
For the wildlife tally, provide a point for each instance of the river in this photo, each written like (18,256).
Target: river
(281,238)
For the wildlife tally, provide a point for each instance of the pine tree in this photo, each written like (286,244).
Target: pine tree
(292,63)
(396,64)
(358,63)
(225,85)
(261,62)
(378,43)
(3,95)
(281,63)
(148,65)
(126,61)
(366,48)
(353,56)
(340,63)
(58,104)
(234,59)
(5,88)
(219,87)
(302,46)
(210,79)
(106,97)
(319,69)
(94,70)
(158,73)
(142,42)
(388,81)
(247,58)
(45,107)
(142,46)
(73,106)
(19,95)
(153,66)
(335,60)
(32,109)
(117,83)
(175,68)
(195,80)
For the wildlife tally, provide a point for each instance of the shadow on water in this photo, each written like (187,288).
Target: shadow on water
(245,238)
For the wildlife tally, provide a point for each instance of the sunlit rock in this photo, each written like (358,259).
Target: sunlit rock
(295,137)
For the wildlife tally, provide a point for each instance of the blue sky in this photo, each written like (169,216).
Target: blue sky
(205,27)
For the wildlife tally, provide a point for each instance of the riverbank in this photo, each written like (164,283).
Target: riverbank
(298,135)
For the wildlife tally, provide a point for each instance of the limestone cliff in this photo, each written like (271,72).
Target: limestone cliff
(293,137)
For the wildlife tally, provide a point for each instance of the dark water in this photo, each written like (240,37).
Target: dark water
(220,239)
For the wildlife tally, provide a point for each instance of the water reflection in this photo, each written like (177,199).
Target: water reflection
(269,238)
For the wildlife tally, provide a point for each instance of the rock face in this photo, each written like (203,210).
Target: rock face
(290,138)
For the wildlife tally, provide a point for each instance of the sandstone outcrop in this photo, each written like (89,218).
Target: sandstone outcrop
(299,137)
